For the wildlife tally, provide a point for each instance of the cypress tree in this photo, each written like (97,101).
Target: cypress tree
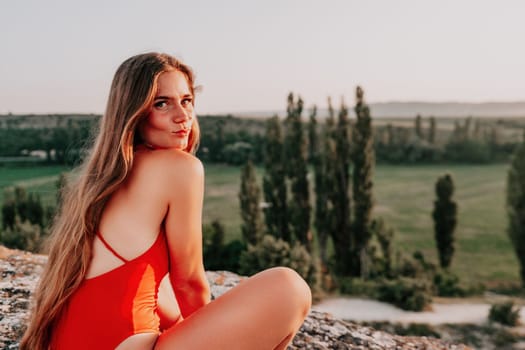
(494,137)
(313,140)
(213,246)
(35,210)
(477,130)
(391,134)
(8,214)
(340,195)
(321,187)
(27,207)
(418,127)
(274,182)
(217,239)
(363,165)
(445,219)
(249,197)
(21,203)
(457,133)
(61,186)
(325,167)
(432,131)
(467,127)
(516,205)
(296,169)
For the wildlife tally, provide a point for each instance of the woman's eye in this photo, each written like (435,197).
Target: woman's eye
(187,101)
(161,105)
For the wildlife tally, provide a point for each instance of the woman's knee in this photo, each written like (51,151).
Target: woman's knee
(292,287)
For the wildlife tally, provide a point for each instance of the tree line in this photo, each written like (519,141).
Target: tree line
(63,143)
(470,141)
(232,140)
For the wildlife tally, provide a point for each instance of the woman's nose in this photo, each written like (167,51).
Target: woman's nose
(180,115)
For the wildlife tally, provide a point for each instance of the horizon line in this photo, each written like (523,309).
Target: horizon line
(457,102)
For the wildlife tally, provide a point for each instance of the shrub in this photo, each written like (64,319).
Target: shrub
(416,329)
(231,255)
(218,256)
(505,313)
(23,236)
(271,252)
(410,268)
(406,293)
(8,214)
(447,284)
(19,205)
(503,337)
(213,240)
(411,329)
(415,266)
(357,286)
(382,235)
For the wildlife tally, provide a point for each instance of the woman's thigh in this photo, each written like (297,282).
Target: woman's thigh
(257,314)
(138,341)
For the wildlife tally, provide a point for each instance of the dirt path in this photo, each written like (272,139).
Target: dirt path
(358,309)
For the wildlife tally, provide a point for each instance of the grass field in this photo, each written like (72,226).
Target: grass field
(404,197)
(40,179)
(484,253)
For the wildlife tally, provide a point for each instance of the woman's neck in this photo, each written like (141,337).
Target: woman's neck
(145,146)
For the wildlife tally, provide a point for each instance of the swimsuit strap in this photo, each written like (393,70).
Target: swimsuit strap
(110,248)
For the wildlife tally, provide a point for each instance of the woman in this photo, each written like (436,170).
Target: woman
(125,264)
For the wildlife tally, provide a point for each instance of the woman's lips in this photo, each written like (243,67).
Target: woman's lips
(182,132)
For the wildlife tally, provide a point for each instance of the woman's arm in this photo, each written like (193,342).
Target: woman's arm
(184,233)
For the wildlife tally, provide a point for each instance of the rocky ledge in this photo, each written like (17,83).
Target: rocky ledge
(19,273)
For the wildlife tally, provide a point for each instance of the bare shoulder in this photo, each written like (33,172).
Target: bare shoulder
(170,165)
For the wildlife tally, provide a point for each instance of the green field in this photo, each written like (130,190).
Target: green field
(484,253)
(40,179)
(404,197)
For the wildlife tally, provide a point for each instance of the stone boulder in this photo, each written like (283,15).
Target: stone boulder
(19,272)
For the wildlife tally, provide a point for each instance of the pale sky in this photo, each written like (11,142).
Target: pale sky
(59,56)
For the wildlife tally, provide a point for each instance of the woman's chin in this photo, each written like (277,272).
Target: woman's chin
(181,146)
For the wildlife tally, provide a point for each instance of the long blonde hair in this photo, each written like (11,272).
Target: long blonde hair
(105,168)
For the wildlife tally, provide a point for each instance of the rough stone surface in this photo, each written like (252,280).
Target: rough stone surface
(19,273)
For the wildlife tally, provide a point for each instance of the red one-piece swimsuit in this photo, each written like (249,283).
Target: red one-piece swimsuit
(107,309)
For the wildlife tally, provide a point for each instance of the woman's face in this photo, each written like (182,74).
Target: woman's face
(168,123)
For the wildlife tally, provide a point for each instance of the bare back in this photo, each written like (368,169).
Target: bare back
(132,218)
(130,223)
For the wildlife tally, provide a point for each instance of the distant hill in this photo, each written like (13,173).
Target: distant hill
(449,109)
(379,110)
(437,109)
